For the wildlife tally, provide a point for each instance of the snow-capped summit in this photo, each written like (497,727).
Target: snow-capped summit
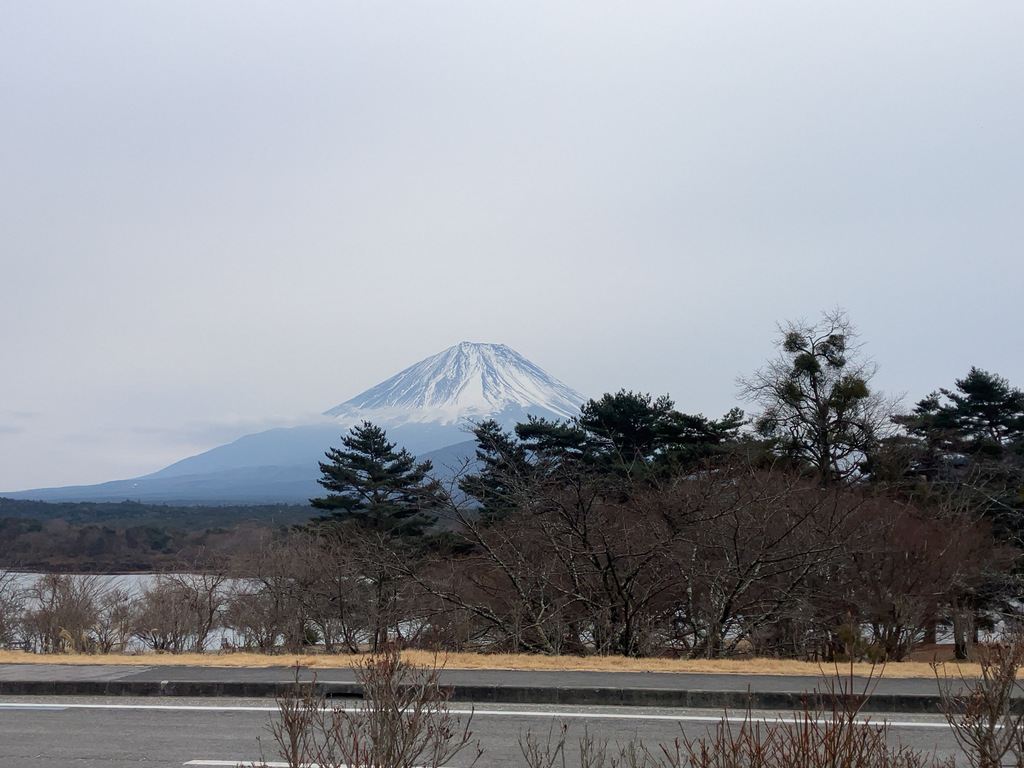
(467,381)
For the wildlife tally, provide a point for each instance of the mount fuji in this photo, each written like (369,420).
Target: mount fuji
(465,382)
(427,408)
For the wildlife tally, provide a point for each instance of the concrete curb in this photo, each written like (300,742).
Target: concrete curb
(478,694)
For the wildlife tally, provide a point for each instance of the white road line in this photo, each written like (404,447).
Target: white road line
(237,763)
(576,715)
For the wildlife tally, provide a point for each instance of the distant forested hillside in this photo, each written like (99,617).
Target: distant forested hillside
(129,513)
(107,537)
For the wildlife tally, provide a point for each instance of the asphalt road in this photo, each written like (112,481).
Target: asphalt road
(87,732)
(475,677)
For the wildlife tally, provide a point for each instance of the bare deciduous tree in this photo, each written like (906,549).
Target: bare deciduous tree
(179,611)
(12,608)
(816,397)
(66,613)
(116,621)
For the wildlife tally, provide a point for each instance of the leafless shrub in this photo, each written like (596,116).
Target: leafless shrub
(403,722)
(300,718)
(986,720)
(834,736)
(596,753)
(544,753)
(810,740)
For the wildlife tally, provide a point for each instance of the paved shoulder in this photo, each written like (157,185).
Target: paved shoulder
(482,686)
(53,672)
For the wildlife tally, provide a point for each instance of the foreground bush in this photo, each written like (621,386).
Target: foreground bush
(986,718)
(403,721)
(831,737)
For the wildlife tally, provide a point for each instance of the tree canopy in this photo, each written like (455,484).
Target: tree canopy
(817,404)
(618,441)
(983,415)
(968,443)
(376,486)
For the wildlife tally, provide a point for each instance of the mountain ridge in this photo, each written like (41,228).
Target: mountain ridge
(427,408)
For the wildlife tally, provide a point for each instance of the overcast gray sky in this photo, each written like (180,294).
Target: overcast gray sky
(219,217)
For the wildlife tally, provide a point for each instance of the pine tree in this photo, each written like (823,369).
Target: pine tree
(618,441)
(636,434)
(376,486)
(504,470)
(970,441)
(986,411)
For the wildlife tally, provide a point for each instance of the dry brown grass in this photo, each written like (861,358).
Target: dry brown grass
(503,662)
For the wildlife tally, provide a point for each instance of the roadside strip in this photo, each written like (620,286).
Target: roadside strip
(478,694)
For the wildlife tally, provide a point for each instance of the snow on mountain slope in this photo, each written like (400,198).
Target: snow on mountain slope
(467,381)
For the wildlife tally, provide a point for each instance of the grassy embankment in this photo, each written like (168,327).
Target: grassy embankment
(509,662)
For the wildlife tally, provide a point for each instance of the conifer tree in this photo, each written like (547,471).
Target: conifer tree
(983,415)
(504,470)
(970,441)
(375,485)
(635,433)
